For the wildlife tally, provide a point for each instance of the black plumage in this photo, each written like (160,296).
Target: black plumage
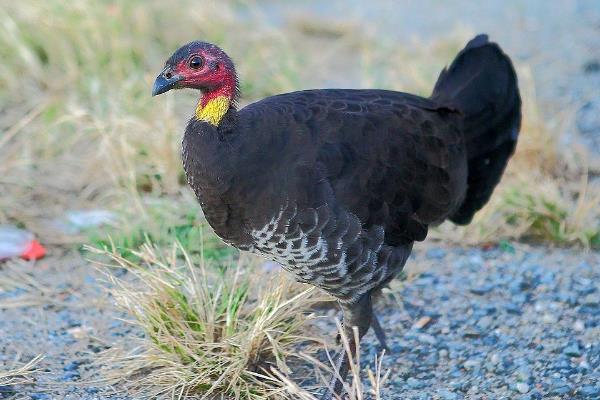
(336,185)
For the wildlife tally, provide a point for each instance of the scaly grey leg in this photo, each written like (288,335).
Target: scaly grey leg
(380,333)
(359,314)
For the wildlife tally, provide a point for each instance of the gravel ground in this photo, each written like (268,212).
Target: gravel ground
(518,323)
(66,317)
(522,324)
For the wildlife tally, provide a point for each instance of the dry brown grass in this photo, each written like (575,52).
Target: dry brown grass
(81,125)
(19,375)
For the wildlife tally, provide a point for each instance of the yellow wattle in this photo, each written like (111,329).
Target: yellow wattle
(213,110)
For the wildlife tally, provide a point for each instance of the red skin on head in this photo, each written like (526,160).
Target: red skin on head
(215,78)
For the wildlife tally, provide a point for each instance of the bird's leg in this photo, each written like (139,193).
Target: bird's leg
(360,315)
(379,332)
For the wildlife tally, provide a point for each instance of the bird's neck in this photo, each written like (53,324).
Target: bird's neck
(213,109)
(215,103)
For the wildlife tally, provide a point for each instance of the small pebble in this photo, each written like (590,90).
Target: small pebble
(470,364)
(579,326)
(522,387)
(72,366)
(495,358)
(549,318)
(572,350)
(415,383)
(483,289)
(70,376)
(471,333)
(40,396)
(560,391)
(485,323)
(422,322)
(426,338)
(447,395)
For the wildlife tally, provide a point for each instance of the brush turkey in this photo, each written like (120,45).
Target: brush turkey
(336,185)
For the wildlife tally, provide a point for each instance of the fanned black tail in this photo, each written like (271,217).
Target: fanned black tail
(482,84)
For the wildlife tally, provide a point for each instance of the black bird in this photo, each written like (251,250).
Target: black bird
(336,185)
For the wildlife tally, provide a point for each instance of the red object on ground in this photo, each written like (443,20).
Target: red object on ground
(34,251)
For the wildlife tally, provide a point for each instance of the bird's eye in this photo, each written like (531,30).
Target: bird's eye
(196,62)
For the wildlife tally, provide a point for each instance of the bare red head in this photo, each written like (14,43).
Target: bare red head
(199,65)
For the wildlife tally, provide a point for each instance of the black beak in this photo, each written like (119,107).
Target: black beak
(165,82)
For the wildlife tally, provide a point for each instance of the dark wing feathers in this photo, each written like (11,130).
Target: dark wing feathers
(384,155)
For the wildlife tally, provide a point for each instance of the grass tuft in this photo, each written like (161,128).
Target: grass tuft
(210,330)
(218,330)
